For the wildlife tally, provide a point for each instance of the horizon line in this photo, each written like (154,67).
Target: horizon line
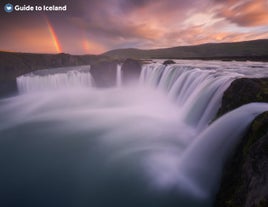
(82,54)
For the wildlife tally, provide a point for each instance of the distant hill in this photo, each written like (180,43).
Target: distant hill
(247,50)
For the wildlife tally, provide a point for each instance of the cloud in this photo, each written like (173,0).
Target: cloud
(245,13)
(27,40)
(132,21)
(93,26)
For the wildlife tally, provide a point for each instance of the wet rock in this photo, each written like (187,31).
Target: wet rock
(104,73)
(13,65)
(8,88)
(245,176)
(168,62)
(131,70)
(243,91)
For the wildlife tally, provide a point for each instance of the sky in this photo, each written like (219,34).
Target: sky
(96,26)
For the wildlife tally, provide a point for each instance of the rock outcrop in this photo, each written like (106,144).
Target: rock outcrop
(103,68)
(131,70)
(243,91)
(8,88)
(104,73)
(13,65)
(245,177)
(168,62)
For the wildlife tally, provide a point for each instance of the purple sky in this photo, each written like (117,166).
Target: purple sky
(95,26)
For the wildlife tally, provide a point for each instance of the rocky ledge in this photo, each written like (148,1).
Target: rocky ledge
(13,65)
(104,72)
(103,68)
(245,177)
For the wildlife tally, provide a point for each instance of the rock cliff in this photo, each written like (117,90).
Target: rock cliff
(245,177)
(131,70)
(103,68)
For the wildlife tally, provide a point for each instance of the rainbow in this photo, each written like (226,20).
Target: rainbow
(86,45)
(53,35)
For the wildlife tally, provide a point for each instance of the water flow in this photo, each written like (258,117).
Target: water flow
(61,78)
(197,92)
(147,145)
(119,75)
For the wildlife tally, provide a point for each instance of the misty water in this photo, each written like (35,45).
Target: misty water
(65,142)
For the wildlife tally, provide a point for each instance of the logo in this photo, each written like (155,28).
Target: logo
(8,8)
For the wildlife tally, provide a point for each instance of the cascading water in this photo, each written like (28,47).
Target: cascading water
(119,75)
(196,92)
(146,145)
(61,78)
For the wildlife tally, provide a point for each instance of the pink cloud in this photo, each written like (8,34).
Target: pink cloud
(245,13)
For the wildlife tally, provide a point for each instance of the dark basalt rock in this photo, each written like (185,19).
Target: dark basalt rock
(103,68)
(13,65)
(131,70)
(245,177)
(243,91)
(104,73)
(168,62)
(8,88)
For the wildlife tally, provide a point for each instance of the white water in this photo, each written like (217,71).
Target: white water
(146,145)
(119,75)
(197,92)
(61,78)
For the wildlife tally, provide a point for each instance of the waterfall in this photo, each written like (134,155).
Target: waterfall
(119,75)
(66,143)
(61,78)
(197,92)
(214,145)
